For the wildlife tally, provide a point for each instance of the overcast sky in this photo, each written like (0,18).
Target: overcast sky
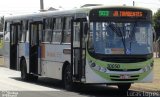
(29,6)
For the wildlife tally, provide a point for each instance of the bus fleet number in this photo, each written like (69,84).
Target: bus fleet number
(113,66)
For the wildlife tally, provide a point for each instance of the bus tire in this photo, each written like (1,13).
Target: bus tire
(67,78)
(124,87)
(24,74)
(33,78)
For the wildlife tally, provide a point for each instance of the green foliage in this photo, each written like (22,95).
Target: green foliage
(156,22)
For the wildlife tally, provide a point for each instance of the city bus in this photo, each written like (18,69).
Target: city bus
(111,45)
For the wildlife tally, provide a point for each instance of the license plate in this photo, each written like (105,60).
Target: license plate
(124,76)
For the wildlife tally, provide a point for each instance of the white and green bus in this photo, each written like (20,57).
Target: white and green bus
(92,45)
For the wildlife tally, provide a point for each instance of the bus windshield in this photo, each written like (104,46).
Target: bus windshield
(120,38)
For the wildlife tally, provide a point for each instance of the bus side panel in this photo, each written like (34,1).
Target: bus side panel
(53,58)
(7,54)
(52,69)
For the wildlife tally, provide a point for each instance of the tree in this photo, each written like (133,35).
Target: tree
(156,22)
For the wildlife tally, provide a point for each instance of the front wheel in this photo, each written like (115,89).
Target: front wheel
(124,87)
(67,78)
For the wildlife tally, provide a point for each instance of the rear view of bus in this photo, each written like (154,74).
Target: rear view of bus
(120,46)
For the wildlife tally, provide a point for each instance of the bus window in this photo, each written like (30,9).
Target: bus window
(19,32)
(76,32)
(57,32)
(14,35)
(24,31)
(40,31)
(7,30)
(48,30)
(67,30)
(34,34)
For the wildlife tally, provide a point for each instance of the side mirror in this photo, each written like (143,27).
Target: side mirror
(86,28)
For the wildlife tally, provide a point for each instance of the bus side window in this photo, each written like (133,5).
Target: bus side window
(76,32)
(34,34)
(47,33)
(57,32)
(19,32)
(24,31)
(40,29)
(13,34)
(7,31)
(67,30)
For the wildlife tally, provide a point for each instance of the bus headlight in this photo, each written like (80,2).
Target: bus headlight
(103,69)
(93,64)
(97,67)
(147,68)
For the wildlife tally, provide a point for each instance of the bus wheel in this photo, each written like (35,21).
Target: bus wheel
(33,78)
(124,87)
(67,78)
(24,75)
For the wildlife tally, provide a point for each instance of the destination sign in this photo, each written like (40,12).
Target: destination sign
(105,13)
(118,14)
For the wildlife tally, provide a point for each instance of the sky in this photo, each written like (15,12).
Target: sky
(8,7)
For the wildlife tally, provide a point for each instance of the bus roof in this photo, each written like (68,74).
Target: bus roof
(73,12)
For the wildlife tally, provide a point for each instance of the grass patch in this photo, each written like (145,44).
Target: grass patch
(155,85)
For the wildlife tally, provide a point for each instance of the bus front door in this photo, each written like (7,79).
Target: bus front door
(34,52)
(78,49)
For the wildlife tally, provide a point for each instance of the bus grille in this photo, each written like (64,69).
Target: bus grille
(117,78)
(124,70)
(134,79)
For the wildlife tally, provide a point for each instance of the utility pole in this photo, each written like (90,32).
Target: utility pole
(41,5)
(133,3)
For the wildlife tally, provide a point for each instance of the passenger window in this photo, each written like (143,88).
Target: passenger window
(57,32)
(34,30)
(19,32)
(48,30)
(24,30)
(67,30)
(7,31)
(13,35)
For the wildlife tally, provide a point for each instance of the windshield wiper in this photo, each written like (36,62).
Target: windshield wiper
(123,39)
(131,35)
(118,33)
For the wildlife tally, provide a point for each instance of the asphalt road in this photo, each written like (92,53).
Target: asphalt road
(11,85)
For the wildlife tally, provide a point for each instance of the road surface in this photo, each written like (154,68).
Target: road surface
(11,85)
